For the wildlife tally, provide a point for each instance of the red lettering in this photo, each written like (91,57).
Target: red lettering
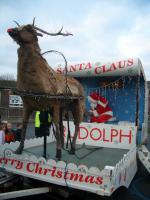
(73,68)
(59,174)
(102,69)
(121,64)
(6,160)
(30,167)
(13,161)
(98,70)
(93,132)
(83,133)
(19,165)
(130,62)
(76,177)
(114,133)
(37,167)
(88,66)
(105,69)
(80,66)
(45,171)
(89,179)
(125,135)
(40,170)
(99,180)
(53,171)
(66,174)
(104,136)
(113,67)
(1,160)
(59,70)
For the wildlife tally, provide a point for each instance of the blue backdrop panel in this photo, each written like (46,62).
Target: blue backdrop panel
(121,100)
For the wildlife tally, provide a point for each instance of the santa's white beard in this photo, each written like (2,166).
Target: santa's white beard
(93,106)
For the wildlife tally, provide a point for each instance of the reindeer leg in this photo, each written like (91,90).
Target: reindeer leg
(26,115)
(61,128)
(58,143)
(72,150)
(77,111)
(58,137)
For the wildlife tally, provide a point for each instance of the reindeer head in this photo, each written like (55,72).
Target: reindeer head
(27,34)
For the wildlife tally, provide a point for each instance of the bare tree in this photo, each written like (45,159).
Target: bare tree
(7,77)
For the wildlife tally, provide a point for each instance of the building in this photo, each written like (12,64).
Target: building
(8,109)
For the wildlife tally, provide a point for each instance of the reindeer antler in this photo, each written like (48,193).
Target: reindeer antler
(33,21)
(53,34)
(17,23)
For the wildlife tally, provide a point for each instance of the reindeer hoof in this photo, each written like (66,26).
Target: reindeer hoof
(58,154)
(19,150)
(72,151)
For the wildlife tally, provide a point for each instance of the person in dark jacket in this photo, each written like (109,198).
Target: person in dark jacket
(18,132)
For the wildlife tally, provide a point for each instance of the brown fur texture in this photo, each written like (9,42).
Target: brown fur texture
(34,75)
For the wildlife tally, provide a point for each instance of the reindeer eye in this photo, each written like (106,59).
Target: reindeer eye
(29,28)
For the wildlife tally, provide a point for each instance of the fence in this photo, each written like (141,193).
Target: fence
(10,113)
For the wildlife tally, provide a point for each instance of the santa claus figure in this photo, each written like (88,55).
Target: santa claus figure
(100,111)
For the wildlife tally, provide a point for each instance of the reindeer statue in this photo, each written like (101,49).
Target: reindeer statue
(35,76)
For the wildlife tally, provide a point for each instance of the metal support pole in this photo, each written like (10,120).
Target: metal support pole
(45,147)
(137,101)
(61,127)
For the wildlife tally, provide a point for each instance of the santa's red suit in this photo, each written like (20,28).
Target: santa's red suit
(100,110)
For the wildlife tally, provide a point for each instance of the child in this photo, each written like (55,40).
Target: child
(9,133)
(2,133)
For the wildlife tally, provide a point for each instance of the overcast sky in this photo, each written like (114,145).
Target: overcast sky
(104,30)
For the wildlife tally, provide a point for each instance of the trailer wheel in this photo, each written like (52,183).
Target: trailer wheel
(91,196)
(121,193)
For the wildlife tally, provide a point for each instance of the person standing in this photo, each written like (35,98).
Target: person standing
(9,133)
(18,132)
(2,133)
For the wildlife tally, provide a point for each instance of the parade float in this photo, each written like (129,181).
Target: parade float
(106,153)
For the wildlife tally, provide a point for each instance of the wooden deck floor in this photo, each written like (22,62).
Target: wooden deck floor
(87,155)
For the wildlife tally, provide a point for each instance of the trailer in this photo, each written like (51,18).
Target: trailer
(106,153)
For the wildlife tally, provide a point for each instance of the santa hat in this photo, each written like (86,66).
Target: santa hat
(93,97)
(102,101)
